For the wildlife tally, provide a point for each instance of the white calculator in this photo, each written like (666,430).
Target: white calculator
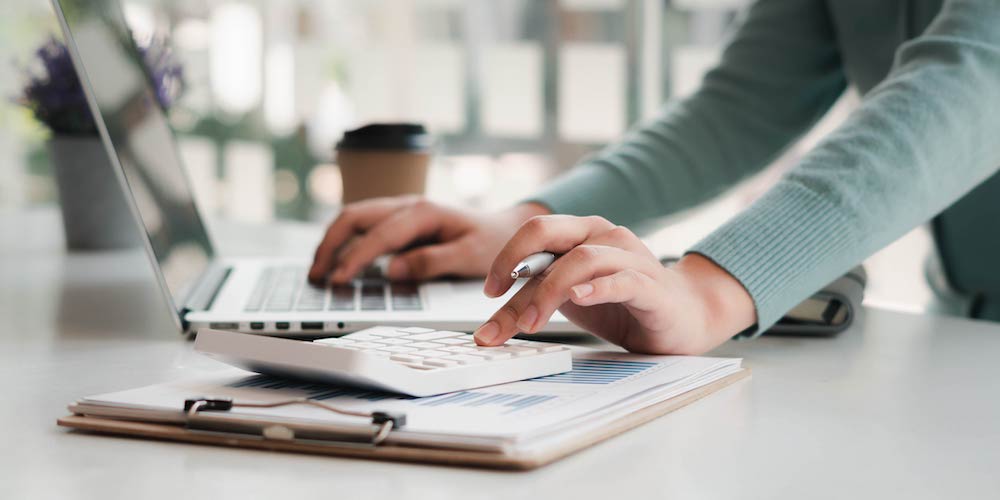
(414,361)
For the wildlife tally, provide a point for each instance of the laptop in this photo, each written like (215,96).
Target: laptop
(206,290)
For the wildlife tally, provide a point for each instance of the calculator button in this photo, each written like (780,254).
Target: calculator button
(334,341)
(430,350)
(443,363)
(361,336)
(433,353)
(425,345)
(465,359)
(397,348)
(452,341)
(551,348)
(435,335)
(415,329)
(418,366)
(518,351)
(390,333)
(391,341)
(490,354)
(406,358)
(365,345)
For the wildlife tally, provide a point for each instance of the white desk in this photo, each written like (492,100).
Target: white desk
(902,406)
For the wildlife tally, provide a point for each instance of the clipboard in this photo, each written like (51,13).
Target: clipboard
(464,458)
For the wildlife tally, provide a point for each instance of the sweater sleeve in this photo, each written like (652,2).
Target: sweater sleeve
(920,140)
(779,74)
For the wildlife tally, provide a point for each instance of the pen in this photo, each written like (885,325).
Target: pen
(532,265)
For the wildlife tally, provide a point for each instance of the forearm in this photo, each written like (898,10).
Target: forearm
(778,75)
(919,142)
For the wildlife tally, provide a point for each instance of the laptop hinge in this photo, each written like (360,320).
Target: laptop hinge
(206,292)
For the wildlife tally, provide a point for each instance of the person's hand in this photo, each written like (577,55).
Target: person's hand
(609,283)
(434,240)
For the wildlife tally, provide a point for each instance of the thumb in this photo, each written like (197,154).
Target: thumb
(427,262)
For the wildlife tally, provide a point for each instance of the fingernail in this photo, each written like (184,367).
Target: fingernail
(486,333)
(583,290)
(527,320)
(398,269)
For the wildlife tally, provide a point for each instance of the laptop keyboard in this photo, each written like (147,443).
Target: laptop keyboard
(285,289)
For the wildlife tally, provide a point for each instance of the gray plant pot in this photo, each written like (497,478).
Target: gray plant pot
(95,213)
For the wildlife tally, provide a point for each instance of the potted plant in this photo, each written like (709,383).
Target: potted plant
(95,213)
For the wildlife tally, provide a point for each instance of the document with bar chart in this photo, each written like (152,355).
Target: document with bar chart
(601,386)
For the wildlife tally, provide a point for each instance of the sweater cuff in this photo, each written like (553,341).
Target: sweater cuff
(780,249)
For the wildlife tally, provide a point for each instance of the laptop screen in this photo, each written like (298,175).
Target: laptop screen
(118,85)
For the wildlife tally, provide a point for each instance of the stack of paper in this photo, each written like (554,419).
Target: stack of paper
(517,417)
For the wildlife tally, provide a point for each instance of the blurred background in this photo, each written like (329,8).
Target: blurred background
(515,91)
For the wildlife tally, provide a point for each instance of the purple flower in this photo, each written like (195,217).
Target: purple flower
(167,74)
(54,94)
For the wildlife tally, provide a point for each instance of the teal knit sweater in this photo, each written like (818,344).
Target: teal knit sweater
(926,133)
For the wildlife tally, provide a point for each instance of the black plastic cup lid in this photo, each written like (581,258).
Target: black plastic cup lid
(386,136)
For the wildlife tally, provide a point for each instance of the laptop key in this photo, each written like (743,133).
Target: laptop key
(372,297)
(342,298)
(405,297)
(256,300)
(311,299)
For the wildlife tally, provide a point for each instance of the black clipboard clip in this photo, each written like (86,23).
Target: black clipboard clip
(384,422)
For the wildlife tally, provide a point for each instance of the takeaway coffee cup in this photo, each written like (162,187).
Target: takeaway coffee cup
(384,159)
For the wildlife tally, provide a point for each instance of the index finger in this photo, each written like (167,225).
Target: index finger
(352,219)
(546,233)
(388,235)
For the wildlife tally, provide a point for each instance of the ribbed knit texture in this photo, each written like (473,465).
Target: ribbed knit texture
(795,231)
(925,134)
